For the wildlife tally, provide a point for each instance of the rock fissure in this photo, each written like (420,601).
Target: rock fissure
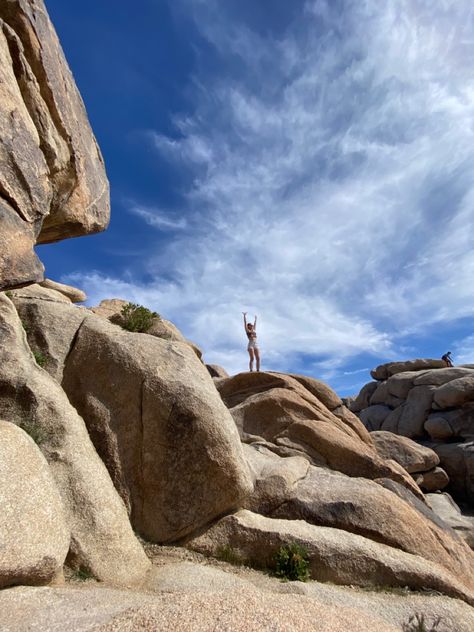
(142,448)
(74,341)
(11,202)
(17,22)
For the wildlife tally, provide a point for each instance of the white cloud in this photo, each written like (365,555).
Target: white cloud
(156,218)
(463,350)
(333,185)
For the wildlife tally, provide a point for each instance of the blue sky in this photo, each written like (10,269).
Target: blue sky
(310,161)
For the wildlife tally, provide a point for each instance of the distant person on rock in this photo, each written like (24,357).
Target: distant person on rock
(252,347)
(447,358)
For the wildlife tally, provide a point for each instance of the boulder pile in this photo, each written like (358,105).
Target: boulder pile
(115,443)
(321,480)
(272,457)
(433,404)
(144,401)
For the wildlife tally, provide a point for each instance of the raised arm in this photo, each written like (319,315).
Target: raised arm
(255,322)
(245,320)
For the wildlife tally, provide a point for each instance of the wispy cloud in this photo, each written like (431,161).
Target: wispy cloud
(333,185)
(463,350)
(365,370)
(157,218)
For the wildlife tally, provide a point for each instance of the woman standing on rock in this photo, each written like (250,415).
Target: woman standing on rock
(252,347)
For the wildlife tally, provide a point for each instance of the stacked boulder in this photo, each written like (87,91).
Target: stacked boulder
(104,432)
(148,404)
(320,480)
(433,404)
(303,469)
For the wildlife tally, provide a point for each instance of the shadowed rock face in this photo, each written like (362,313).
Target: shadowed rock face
(52,178)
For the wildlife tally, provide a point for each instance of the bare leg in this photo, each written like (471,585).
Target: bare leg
(257,356)
(251,356)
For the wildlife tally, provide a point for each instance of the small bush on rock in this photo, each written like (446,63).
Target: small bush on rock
(419,623)
(137,318)
(292,563)
(82,575)
(25,326)
(40,358)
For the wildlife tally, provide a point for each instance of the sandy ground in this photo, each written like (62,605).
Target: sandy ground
(188,592)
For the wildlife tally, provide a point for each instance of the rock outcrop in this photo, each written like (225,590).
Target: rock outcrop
(384,371)
(52,178)
(333,554)
(102,540)
(287,414)
(432,405)
(151,410)
(131,429)
(160,426)
(312,461)
(111,308)
(72,293)
(34,536)
(291,488)
(172,449)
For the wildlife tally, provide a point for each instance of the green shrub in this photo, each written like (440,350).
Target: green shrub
(227,554)
(418,623)
(25,326)
(35,431)
(137,318)
(9,293)
(82,574)
(40,358)
(292,563)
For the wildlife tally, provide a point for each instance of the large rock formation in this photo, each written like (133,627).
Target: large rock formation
(173,450)
(102,540)
(434,405)
(311,460)
(52,178)
(151,409)
(160,426)
(144,405)
(291,488)
(298,415)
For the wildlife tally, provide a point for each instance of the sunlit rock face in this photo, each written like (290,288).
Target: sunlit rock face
(52,177)
(433,405)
